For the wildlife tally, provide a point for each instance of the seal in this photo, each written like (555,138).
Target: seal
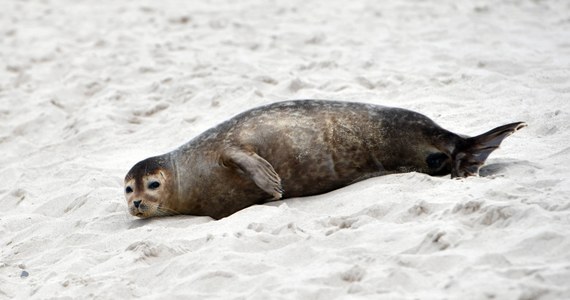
(299,148)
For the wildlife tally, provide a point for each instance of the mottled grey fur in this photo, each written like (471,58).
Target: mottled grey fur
(301,148)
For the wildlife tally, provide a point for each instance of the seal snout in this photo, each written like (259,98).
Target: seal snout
(138,208)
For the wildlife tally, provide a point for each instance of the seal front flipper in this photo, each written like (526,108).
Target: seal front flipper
(257,168)
(471,153)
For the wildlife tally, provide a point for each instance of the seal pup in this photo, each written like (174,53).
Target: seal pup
(299,148)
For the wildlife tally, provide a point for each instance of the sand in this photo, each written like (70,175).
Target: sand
(88,88)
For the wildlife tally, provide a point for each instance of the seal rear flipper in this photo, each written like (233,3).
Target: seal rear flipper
(258,169)
(473,152)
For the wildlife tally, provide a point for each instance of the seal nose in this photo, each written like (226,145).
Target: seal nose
(137,203)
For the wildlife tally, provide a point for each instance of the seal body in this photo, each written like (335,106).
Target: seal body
(299,148)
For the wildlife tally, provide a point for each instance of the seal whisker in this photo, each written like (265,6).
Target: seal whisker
(165,211)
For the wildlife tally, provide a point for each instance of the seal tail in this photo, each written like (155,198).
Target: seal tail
(472,153)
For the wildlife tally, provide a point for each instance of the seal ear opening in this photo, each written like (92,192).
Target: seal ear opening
(472,154)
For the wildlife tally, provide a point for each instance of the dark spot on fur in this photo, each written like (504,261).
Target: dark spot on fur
(438,163)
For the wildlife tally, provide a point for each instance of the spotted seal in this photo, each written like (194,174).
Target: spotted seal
(299,148)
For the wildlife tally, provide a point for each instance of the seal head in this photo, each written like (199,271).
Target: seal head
(150,185)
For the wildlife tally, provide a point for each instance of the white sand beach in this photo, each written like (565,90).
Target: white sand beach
(89,88)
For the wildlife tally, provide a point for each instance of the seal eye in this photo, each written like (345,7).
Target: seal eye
(154,185)
(128,190)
